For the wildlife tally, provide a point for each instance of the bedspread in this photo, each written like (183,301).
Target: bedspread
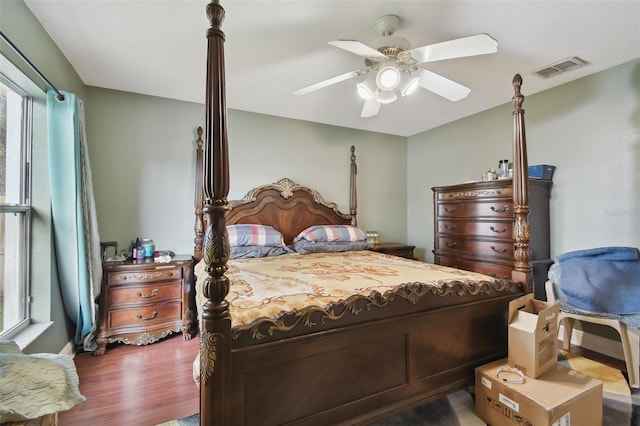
(265,287)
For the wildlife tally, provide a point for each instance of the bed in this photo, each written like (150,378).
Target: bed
(363,356)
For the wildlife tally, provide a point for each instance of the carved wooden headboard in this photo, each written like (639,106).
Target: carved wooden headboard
(285,205)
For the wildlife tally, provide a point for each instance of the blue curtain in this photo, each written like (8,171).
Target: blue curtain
(75,232)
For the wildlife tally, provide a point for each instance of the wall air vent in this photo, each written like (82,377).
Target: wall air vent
(561,67)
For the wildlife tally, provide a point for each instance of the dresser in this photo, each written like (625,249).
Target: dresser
(473,228)
(395,249)
(144,301)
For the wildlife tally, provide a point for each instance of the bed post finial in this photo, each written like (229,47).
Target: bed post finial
(522,254)
(215,319)
(353,200)
(518,99)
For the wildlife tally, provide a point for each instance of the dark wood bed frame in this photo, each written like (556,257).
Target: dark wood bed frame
(357,360)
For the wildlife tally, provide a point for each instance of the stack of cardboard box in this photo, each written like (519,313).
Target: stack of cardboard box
(530,388)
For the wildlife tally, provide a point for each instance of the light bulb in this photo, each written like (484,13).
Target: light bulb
(388,78)
(367,88)
(410,87)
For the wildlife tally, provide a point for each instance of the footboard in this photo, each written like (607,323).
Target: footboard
(368,371)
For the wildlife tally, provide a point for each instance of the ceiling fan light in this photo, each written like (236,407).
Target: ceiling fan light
(410,86)
(367,88)
(388,78)
(386,96)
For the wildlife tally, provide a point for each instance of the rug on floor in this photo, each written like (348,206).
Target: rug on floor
(621,405)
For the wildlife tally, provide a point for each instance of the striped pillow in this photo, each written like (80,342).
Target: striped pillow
(254,235)
(329,233)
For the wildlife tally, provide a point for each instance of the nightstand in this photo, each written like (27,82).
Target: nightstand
(144,301)
(395,249)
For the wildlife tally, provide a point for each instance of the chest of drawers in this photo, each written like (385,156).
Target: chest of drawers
(473,228)
(142,302)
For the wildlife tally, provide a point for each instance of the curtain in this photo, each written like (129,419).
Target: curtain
(77,253)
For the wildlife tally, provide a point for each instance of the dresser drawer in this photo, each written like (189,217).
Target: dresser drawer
(493,229)
(474,192)
(160,273)
(492,209)
(498,249)
(493,270)
(146,315)
(145,293)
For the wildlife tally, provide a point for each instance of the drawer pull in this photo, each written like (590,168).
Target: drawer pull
(504,209)
(150,317)
(498,251)
(451,244)
(450,210)
(450,227)
(153,293)
(498,231)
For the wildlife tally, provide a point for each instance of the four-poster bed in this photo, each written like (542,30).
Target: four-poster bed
(355,359)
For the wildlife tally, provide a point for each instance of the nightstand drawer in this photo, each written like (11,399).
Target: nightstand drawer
(160,273)
(147,315)
(144,293)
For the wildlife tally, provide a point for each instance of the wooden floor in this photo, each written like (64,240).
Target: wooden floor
(148,385)
(136,385)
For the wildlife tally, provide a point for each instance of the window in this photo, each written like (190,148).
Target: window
(15,205)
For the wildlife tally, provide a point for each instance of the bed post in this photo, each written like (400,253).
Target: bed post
(353,200)
(215,330)
(522,268)
(198,226)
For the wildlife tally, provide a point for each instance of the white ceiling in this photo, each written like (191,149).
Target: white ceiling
(272,48)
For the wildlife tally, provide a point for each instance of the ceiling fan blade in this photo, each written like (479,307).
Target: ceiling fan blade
(358,48)
(442,86)
(370,108)
(480,44)
(330,81)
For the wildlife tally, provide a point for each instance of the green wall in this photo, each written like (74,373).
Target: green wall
(589,129)
(142,151)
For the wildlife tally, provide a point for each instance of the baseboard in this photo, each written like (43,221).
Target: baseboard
(593,342)
(69,349)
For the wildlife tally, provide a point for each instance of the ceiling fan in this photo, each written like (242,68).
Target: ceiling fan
(395,69)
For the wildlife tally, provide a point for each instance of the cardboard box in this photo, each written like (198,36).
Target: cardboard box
(533,335)
(560,397)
